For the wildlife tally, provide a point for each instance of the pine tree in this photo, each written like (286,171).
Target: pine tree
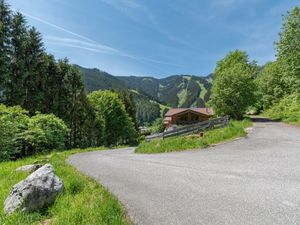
(18,73)
(5,32)
(127,100)
(35,65)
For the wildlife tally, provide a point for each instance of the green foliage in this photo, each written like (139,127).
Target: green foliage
(157,126)
(147,112)
(288,49)
(118,127)
(279,82)
(23,136)
(83,201)
(233,130)
(45,132)
(31,78)
(5,34)
(174,91)
(270,87)
(13,121)
(148,93)
(287,110)
(233,87)
(127,100)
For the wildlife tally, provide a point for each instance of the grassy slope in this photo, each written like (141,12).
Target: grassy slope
(182,96)
(233,130)
(83,201)
(203,90)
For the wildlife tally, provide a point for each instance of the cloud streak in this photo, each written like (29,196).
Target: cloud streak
(99,48)
(88,44)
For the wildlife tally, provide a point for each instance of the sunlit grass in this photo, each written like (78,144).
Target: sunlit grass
(233,130)
(83,201)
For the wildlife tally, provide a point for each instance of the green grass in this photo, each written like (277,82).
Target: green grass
(83,201)
(233,130)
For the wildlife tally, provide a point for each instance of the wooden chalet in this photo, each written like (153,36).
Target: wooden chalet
(185,116)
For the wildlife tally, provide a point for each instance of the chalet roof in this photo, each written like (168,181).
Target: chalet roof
(206,111)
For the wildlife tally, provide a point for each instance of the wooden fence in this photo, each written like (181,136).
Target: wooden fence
(194,128)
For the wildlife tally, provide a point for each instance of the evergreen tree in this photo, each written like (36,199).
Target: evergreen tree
(15,87)
(5,33)
(35,85)
(127,100)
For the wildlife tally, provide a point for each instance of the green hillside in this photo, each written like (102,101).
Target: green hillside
(174,91)
(152,95)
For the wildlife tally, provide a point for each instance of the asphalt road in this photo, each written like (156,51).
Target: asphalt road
(253,180)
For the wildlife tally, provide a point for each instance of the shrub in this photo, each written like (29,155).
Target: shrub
(288,109)
(45,132)
(157,126)
(13,121)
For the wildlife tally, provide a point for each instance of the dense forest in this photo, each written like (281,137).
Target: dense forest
(35,86)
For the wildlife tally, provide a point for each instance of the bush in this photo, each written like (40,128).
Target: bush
(13,121)
(288,109)
(45,132)
(22,135)
(157,126)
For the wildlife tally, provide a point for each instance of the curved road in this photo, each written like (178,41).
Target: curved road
(253,180)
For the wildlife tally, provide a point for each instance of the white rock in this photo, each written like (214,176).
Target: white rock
(38,190)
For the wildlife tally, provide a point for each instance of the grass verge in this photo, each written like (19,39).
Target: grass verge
(233,130)
(83,201)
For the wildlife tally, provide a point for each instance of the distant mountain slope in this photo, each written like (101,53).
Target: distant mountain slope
(175,91)
(95,79)
(152,95)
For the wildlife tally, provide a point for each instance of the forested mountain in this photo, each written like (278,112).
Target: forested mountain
(95,79)
(152,95)
(173,91)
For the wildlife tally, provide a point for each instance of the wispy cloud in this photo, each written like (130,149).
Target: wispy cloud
(86,43)
(99,48)
(57,27)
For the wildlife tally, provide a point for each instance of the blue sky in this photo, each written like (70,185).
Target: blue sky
(156,37)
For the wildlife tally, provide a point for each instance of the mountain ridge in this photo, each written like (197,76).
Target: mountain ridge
(152,95)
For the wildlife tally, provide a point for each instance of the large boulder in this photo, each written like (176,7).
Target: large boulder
(38,190)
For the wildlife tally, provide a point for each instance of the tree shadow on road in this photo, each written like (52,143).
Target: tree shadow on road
(258,119)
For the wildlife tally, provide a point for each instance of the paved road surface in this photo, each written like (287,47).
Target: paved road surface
(254,180)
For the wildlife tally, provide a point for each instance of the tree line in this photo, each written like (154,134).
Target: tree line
(240,85)
(34,80)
